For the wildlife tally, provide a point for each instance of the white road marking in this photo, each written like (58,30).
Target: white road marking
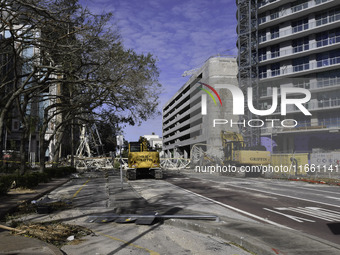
(319,190)
(277,194)
(336,198)
(298,219)
(315,212)
(235,209)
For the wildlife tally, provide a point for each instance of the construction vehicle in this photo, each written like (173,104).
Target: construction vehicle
(143,160)
(236,153)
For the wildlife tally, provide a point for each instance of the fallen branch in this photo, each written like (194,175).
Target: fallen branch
(13,229)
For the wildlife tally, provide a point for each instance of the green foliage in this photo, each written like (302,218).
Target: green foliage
(9,169)
(59,172)
(29,180)
(5,183)
(116,165)
(32,179)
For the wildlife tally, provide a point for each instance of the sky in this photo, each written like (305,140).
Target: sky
(181,35)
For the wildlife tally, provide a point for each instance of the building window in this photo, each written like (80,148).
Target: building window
(274,14)
(328,58)
(302,83)
(262,36)
(262,18)
(275,51)
(331,119)
(300,25)
(275,32)
(320,1)
(262,72)
(262,3)
(275,68)
(328,37)
(265,2)
(330,78)
(262,54)
(329,99)
(299,5)
(301,44)
(300,64)
(263,92)
(327,17)
(322,39)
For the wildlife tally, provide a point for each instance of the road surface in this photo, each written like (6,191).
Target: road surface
(310,208)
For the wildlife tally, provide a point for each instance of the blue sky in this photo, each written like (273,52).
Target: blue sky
(181,34)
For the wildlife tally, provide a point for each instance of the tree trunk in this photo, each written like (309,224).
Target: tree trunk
(72,143)
(58,146)
(42,146)
(23,157)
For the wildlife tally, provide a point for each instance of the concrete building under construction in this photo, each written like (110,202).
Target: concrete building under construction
(188,116)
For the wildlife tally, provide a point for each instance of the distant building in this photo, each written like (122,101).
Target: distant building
(154,140)
(186,120)
(13,129)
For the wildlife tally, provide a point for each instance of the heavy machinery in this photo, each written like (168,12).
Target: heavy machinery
(236,153)
(142,160)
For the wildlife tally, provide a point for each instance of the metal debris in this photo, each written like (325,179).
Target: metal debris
(145,219)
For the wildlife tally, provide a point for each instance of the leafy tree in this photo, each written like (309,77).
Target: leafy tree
(58,54)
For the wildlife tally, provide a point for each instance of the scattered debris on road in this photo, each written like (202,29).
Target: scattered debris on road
(146,218)
(55,233)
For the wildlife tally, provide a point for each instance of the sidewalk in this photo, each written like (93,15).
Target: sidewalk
(13,244)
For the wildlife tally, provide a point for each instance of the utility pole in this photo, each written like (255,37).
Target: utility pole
(120,142)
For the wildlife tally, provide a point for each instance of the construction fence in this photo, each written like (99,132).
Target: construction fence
(315,165)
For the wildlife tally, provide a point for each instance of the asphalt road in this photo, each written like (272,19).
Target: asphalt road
(311,208)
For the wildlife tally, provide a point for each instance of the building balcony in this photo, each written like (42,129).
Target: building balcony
(176,112)
(303,69)
(180,125)
(300,50)
(314,86)
(296,32)
(181,99)
(266,5)
(293,12)
(304,126)
(185,142)
(173,110)
(312,106)
(179,134)
(180,116)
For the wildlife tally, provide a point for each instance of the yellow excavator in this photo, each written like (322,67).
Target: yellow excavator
(142,160)
(236,153)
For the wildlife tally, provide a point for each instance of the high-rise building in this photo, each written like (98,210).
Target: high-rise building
(285,43)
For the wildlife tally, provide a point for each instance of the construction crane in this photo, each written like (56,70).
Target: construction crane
(89,138)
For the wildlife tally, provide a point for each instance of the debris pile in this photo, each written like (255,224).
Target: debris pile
(48,205)
(55,233)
